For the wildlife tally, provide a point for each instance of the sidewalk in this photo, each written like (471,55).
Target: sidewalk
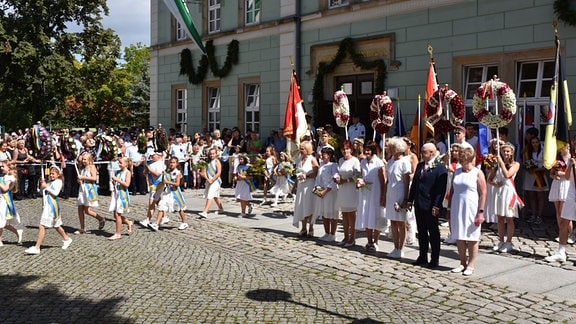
(523,270)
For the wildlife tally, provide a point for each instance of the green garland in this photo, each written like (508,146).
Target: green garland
(208,60)
(564,11)
(346,47)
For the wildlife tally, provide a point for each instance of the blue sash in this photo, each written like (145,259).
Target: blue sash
(211,171)
(154,182)
(176,192)
(53,204)
(90,187)
(242,169)
(10,207)
(122,191)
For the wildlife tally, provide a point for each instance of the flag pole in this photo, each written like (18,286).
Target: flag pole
(419,122)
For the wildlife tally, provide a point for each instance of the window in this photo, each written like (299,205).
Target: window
(213,108)
(181,109)
(337,3)
(252,107)
(180,32)
(213,16)
(534,82)
(252,12)
(475,76)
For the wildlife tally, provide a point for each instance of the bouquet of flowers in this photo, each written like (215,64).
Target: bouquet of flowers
(286,168)
(361,184)
(560,165)
(490,161)
(257,168)
(318,190)
(201,165)
(530,165)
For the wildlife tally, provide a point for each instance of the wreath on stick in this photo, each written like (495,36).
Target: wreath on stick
(68,146)
(381,113)
(435,110)
(39,142)
(490,90)
(341,108)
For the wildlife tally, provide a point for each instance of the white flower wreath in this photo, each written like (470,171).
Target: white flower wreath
(381,113)
(341,108)
(489,90)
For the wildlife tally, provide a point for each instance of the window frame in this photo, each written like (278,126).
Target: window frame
(256,12)
(180,107)
(214,24)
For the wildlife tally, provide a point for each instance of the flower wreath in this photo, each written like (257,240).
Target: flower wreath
(39,143)
(341,108)
(485,91)
(68,146)
(435,110)
(381,114)
(107,147)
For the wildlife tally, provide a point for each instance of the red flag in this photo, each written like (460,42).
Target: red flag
(295,126)
(419,133)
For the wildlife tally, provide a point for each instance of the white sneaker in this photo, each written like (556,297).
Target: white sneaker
(32,250)
(350,244)
(393,254)
(183,226)
(275,204)
(558,257)
(506,247)
(203,215)
(497,247)
(570,239)
(66,244)
(458,269)
(144,222)
(165,220)
(376,248)
(154,227)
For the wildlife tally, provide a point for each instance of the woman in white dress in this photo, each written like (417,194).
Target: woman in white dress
(398,173)
(467,214)
(568,215)
(307,169)
(535,183)
(372,200)
(348,171)
(559,187)
(507,201)
(326,190)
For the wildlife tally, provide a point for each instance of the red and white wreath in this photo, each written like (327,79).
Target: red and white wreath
(490,90)
(436,110)
(341,108)
(381,114)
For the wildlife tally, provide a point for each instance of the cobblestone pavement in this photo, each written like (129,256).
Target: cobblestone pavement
(227,273)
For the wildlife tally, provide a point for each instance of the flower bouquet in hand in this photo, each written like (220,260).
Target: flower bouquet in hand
(361,184)
(201,165)
(491,161)
(560,165)
(530,165)
(318,191)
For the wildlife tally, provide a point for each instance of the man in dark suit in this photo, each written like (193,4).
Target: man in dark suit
(426,195)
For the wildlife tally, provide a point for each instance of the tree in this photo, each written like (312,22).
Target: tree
(137,58)
(42,71)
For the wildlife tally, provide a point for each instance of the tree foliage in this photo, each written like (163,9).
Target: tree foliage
(62,67)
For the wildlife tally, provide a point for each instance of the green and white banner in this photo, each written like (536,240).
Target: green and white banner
(180,11)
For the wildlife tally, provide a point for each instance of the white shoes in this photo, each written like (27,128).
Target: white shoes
(32,250)
(328,238)
(144,222)
(203,215)
(396,254)
(497,247)
(154,227)
(165,220)
(65,244)
(19,232)
(458,269)
(275,204)
(183,226)
(506,247)
(558,257)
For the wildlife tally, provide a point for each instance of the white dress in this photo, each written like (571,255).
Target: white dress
(51,211)
(326,207)
(558,189)
(569,208)
(304,201)
(464,205)
(530,178)
(120,200)
(508,200)
(243,190)
(395,171)
(88,192)
(347,199)
(282,186)
(370,214)
(7,202)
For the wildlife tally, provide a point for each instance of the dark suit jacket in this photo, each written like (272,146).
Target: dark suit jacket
(428,188)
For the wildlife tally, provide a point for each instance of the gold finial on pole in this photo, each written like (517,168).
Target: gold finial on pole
(431,51)
(555,25)
(291,62)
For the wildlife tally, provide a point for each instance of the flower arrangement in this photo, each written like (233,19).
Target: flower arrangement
(201,165)
(285,168)
(160,140)
(258,168)
(490,161)
(68,146)
(107,147)
(435,110)
(361,184)
(318,191)
(341,108)
(491,90)
(39,142)
(381,113)
(530,165)
(142,142)
(560,165)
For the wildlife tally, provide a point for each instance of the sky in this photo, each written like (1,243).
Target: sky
(130,19)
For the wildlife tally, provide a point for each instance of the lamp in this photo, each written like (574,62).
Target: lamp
(395,64)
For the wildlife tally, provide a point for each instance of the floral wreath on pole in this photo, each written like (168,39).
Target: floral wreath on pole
(39,142)
(435,110)
(341,108)
(490,90)
(381,113)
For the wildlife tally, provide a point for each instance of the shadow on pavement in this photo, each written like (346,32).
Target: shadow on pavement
(48,305)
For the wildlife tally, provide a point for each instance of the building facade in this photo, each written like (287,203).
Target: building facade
(472,40)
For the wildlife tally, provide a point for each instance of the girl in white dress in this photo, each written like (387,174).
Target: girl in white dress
(88,192)
(326,190)
(9,217)
(507,202)
(212,175)
(559,186)
(467,214)
(120,201)
(535,183)
(283,185)
(307,169)
(270,164)
(347,199)
(372,199)
(398,173)
(51,217)
(244,185)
